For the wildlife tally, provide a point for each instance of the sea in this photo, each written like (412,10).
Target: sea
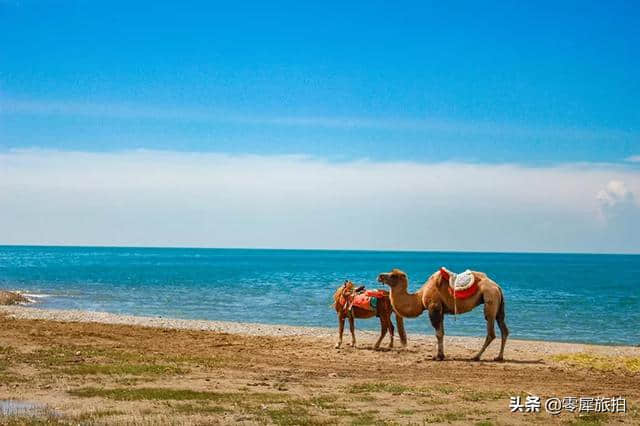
(589,298)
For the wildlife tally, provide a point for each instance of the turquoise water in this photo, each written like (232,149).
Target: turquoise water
(563,297)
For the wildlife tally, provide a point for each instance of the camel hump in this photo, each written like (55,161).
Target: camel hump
(445,273)
(463,280)
(461,285)
(458,281)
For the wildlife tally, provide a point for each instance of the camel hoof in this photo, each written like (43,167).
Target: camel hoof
(475,358)
(498,359)
(337,346)
(440,357)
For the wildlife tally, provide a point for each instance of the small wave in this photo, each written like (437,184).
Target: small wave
(35,296)
(32,297)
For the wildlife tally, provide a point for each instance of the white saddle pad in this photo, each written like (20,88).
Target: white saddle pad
(461,281)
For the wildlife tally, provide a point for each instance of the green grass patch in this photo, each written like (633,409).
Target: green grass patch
(406,411)
(6,353)
(6,350)
(32,421)
(290,415)
(212,362)
(342,412)
(189,409)
(448,417)
(11,378)
(364,419)
(445,389)
(98,414)
(595,419)
(123,370)
(86,361)
(326,401)
(601,363)
(484,395)
(61,356)
(379,387)
(172,394)
(366,397)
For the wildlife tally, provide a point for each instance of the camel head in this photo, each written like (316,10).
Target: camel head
(343,290)
(395,278)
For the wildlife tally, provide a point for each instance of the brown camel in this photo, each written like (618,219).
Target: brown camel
(343,300)
(434,296)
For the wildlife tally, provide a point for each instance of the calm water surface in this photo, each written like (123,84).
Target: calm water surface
(563,297)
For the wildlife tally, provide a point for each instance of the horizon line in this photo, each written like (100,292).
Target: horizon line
(322,249)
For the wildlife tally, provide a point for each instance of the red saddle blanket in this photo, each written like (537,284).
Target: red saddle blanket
(369,299)
(463,294)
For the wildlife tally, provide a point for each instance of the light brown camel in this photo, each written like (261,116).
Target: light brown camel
(342,301)
(434,296)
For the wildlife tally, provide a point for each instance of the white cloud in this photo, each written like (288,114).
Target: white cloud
(195,199)
(634,159)
(619,209)
(615,193)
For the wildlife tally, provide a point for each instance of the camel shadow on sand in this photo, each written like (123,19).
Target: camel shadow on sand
(489,361)
(469,359)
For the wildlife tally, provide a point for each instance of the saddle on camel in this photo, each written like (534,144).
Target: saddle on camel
(351,302)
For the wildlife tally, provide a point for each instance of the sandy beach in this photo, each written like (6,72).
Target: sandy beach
(98,368)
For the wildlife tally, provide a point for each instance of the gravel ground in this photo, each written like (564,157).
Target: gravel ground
(530,347)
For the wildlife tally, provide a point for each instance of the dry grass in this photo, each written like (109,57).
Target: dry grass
(96,374)
(601,363)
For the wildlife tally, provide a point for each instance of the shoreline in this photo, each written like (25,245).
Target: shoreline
(540,347)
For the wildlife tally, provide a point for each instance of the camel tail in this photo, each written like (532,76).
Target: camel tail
(401,331)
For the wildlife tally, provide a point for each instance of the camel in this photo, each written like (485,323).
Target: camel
(434,297)
(343,299)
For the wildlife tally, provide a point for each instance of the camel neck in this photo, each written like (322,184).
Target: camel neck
(408,305)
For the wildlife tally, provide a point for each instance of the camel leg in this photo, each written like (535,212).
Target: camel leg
(391,330)
(436,315)
(340,330)
(383,332)
(352,328)
(401,331)
(489,315)
(504,331)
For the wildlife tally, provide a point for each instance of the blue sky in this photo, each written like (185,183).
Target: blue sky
(490,82)
(542,85)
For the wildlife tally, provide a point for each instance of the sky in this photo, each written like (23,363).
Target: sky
(406,126)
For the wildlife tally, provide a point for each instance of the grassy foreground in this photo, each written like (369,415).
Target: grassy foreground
(94,374)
